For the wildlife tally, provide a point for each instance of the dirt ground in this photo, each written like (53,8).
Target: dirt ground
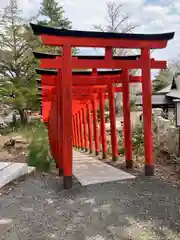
(17,153)
(139,209)
(164,167)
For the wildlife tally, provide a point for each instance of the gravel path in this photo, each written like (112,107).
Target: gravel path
(38,208)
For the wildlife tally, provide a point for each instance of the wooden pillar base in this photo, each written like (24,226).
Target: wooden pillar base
(61,172)
(129,164)
(86,149)
(57,166)
(149,170)
(67,182)
(114,158)
(104,155)
(96,153)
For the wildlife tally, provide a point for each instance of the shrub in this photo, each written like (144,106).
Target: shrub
(138,139)
(39,153)
(121,150)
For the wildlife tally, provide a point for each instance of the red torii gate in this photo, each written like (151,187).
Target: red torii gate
(99,80)
(134,79)
(93,89)
(128,144)
(68,39)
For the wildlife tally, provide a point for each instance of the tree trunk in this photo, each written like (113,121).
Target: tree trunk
(14,119)
(23,117)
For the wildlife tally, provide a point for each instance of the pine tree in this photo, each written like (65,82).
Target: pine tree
(54,14)
(162,80)
(17,76)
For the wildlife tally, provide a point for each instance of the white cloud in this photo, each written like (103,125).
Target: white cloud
(153,17)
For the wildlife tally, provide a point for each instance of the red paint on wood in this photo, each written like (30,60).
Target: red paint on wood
(95,126)
(73,133)
(147,109)
(127,120)
(99,42)
(66,90)
(113,123)
(102,125)
(81,130)
(85,129)
(108,63)
(78,130)
(90,135)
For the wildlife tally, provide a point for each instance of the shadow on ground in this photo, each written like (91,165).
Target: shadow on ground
(38,208)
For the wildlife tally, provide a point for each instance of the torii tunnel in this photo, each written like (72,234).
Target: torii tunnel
(70,96)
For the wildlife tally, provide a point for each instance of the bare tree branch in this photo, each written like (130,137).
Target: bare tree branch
(117,20)
(99,27)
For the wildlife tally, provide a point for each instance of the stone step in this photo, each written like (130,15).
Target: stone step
(89,170)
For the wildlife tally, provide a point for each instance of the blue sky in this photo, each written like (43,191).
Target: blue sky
(153,16)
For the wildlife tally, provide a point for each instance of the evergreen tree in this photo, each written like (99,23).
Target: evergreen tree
(162,80)
(17,76)
(54,15)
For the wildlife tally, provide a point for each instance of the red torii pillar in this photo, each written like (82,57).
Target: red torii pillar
(90,135)
(66,96)
(113,123)
(95,126)
(112,110)
(127,120)
(102,126)
(81,130)
(147,111)
(85,129)
(74,132)
(78,131)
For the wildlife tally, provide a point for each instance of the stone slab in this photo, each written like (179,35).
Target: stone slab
(11,171)
(4,165)
(89,170)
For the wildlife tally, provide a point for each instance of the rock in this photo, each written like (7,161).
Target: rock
(2,123)
(10,143)
(172,139)
(19,139)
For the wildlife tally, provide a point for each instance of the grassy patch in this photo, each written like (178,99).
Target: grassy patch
(36,135)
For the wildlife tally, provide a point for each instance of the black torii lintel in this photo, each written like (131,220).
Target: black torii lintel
(41,55)
(52,72)
(40,30)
